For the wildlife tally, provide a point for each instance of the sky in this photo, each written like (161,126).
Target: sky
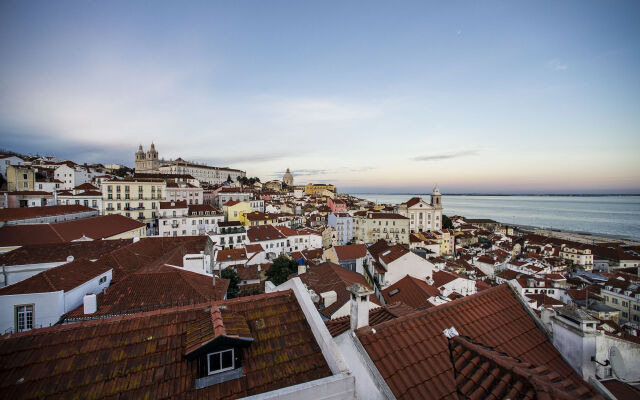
(373,96)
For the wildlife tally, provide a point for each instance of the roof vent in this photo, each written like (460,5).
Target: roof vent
(450,333)
(90,303)
(69,259)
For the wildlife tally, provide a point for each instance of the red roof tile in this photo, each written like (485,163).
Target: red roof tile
(376,316)
(411,291)
(263,232)
(141,356)
(14,214)
(351,251)
(167,288)
(64,277)
(443,277)
(494,317)
(231,255)
(329,276)
(482,373)
(95,228)
(57,252)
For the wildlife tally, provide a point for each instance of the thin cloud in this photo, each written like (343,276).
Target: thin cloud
(447,156)
(556,65)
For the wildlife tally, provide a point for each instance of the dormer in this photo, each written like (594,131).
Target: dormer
(215,342)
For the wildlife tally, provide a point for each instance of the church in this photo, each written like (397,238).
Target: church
(423,216)
(149,163)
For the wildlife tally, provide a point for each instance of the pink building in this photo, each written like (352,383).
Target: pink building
(337,205)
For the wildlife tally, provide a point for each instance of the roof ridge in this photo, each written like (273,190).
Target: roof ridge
(438,308)
(46,279)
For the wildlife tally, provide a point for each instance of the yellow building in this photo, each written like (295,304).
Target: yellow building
(257,218)
(134,198)
(233,210)
(315,188)
(20,178)
(577,255)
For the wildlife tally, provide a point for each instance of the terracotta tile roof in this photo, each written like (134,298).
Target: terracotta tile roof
(482,373)
(480,285)
(263,232)
(393,253)
(151,254)
(411,291)
(231,255)
(141,356)
(214,325)
(509,274)
(14,214)
(443,277)
(166,205)
(253,248)
(64,277)
(30,193)
(544,300)
(57,252)
(95,228)
(287,231)
(376,316)
(380,215)
(378,247)
(351,251)
(329,276)
(412,353)
(246,272)
(170,287)
(86,186)
(413,201)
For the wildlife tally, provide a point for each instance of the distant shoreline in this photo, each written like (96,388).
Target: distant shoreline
(503,194)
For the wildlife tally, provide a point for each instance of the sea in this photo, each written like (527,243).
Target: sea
(615,216)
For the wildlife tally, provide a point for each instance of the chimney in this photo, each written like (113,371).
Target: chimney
(90,303)
(328,298)
(213,274)
(302,269)
(359,305)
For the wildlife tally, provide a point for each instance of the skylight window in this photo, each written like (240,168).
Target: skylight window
(394,292)
(386,252)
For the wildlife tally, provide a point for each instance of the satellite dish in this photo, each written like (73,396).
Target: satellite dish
(618,365)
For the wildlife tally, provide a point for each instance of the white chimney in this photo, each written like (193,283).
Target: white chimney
(328,298)
(302,269)
(90,303)
(359,305)
(69,259)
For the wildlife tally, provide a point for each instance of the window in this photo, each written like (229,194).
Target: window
(24,318)
(102,280)
(220,361)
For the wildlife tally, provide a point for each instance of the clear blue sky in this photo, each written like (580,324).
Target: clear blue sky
(509,96)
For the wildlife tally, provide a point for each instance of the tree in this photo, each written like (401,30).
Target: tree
(234,279)
(123,172)
(280,270)
(229,178)
(446,222)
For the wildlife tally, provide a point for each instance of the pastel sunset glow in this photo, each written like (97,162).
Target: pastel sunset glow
(387,97)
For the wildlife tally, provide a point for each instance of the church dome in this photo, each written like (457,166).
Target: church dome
(288,178)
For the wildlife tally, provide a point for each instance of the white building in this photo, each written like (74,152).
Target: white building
(423,216)
(41,300)
(6,160)
(343,222)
